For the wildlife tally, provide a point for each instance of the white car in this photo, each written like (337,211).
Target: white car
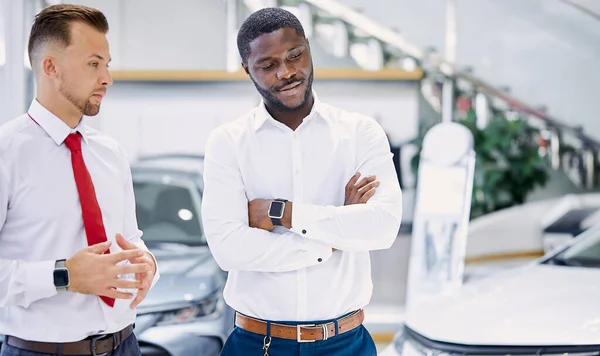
(548,307)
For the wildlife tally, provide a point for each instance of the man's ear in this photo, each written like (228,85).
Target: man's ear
(48,66)
(245,66)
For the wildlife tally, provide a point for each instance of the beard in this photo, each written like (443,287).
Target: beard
(82,104)
(272,101)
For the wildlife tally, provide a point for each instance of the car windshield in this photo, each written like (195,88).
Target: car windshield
(584,253)
(168,213)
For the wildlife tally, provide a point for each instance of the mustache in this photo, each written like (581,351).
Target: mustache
(99,90)
(288,82)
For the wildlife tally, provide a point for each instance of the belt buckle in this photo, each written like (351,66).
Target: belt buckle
(299,333)
(100,337)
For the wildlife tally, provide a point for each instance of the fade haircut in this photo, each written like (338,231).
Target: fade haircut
(53,25)
(265,21)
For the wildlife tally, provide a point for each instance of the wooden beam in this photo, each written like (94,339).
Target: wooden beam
(505,256)
(177,75)
(382,337)
(391,74)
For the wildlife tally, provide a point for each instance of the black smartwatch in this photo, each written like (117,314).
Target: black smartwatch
(61,275)
(276,210)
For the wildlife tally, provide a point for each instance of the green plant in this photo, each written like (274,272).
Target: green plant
(508,164)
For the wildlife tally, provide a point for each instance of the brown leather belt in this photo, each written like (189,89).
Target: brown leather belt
(97,345)
(301,332)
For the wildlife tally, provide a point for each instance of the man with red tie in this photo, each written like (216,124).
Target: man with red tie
(73,266)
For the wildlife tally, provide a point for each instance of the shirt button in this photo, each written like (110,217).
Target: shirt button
(320,260)
(304,231)
(297,172)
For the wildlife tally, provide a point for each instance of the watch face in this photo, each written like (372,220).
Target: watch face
(61,278)
(276,210)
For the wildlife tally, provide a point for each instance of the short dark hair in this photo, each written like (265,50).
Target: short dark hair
(52,24)
(265,21)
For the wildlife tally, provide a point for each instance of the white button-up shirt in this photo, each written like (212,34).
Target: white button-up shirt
(293,274)
(40,222)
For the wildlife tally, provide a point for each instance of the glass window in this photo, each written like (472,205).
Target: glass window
(168,213)
(585,252)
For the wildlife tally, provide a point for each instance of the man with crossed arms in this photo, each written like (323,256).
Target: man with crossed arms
(285,209)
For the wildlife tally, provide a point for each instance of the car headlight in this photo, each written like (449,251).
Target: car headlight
(189,313)
(179,313)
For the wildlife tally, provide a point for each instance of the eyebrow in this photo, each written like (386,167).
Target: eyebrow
(100,57)
(268,58)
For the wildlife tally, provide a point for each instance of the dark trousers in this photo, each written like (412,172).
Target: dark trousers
(357,342)
(129,347)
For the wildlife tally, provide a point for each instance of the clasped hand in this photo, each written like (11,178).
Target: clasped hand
(91,271)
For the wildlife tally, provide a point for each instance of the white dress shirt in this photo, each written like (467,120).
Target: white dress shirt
(292,274)
(40,222)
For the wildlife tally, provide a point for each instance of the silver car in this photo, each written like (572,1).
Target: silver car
(184,314)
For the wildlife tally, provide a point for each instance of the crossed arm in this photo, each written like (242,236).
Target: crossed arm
(239,232)
(356,192)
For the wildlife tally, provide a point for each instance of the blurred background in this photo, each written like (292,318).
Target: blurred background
(520,74)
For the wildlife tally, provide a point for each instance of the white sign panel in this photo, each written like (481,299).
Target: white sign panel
(442,209)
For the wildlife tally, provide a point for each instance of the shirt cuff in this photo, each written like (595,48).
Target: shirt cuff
(142,246)
(305,218)
(39,281)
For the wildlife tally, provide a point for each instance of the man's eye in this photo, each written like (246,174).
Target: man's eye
(267,67)
(296,56)
(94,64)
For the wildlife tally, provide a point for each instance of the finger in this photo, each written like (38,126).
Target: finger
(99,248)
(124,244)
(141,277)
(132,268)
(352,181)
(367,187)
(355,196)
(365,181)
(143,259)
(113,293)
(365,198)
(127,284)
(125,255)
(139,298)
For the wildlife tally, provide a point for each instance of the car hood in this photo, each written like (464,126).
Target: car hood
(533,305)
(186,274)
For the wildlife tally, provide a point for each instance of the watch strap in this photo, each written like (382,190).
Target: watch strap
(59,264)
(276,221)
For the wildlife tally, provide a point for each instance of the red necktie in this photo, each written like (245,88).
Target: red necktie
(90,210)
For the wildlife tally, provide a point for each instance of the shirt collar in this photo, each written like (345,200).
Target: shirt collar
(54,127)
(262,115)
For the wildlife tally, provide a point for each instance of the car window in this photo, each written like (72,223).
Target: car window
(168,213)
(586,251)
